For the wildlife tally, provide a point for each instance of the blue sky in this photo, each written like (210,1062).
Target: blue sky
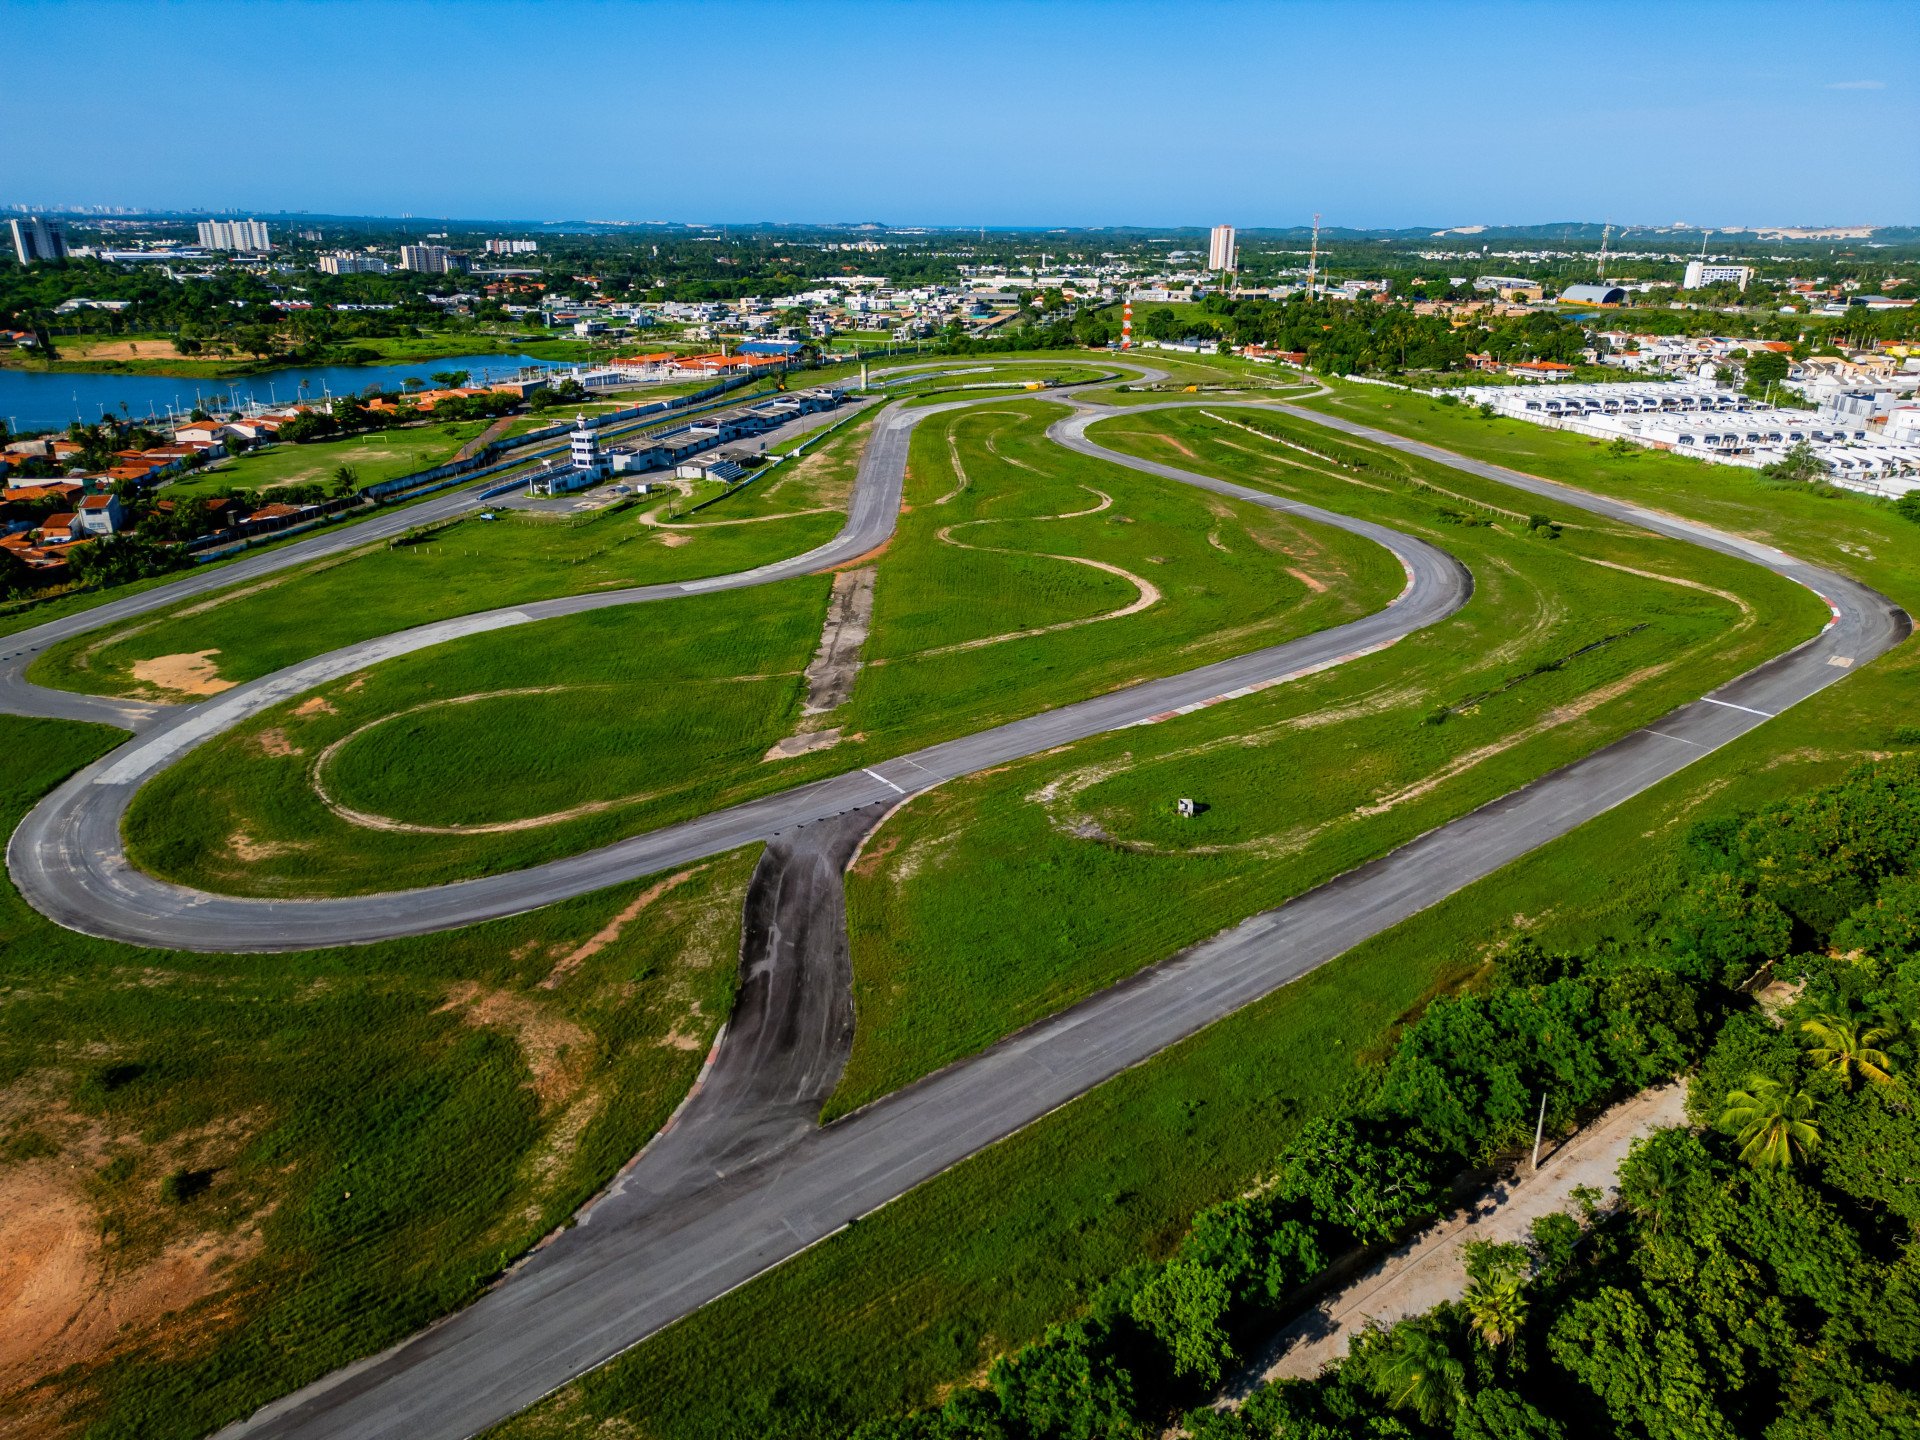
(1051,112)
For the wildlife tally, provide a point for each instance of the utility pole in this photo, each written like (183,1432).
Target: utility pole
(1313,258)
(1539,1130)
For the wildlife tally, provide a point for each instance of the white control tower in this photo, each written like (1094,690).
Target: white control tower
(586,449)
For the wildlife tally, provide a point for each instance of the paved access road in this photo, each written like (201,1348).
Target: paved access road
(654,1249)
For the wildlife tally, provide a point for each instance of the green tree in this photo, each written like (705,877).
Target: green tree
(1496,1298)
(1412,1369)
(1799,465)
(1847,1050)
(1774,1125)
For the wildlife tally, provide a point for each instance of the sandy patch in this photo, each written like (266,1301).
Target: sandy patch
(668,538)
(62,1299)
(318,705)
(189,673)
(1316,586)
(836,663)
(610,932)
(554,1048)
(274,742)
(249,851)
(804,743)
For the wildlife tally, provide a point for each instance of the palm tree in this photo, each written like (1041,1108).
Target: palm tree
(1774,1125)
(1847,1050)
(1498,1307)
(1417,1372)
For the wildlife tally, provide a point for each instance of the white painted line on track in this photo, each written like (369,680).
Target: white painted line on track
(1729,705)
(1681,738)
(886,782)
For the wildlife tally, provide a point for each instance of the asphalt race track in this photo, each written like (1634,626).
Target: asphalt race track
(743,1179)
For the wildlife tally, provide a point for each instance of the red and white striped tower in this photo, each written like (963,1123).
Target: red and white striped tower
(1126,324)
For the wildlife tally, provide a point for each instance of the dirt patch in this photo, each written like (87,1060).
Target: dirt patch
(804,743)
(62,1299)
(610,932)
(76,1288)
(669,539)
(318,705)
(274,742)
(249,851)
(189,673)
(857,561)
(1177,445)
(1316,586)
(556,1050)
(836,663)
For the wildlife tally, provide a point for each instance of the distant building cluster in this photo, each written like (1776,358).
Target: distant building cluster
(349,262)
(512,247)
(1699,419)
(247,235)
(431,259)
(35,239)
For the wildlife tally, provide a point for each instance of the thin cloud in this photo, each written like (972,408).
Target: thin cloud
(1858,85)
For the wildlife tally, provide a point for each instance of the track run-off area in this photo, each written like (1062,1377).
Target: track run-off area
(746,1178)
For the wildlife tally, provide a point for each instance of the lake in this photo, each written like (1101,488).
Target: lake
(32,400)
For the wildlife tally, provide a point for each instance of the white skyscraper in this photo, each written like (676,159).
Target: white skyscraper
(1221,254)
(430,259)
(249,235)
(37,239)
(1704,272)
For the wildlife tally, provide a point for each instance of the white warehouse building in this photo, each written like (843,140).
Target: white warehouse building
(1723,426)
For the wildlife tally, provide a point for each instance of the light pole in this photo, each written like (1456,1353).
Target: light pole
(1539,1131)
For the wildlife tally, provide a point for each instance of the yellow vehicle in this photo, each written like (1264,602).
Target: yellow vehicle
(1191,390)
(1040,384)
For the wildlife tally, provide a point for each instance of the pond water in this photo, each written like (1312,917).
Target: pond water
(32,400)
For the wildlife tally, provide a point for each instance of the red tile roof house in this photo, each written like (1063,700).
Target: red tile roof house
(61,530)
(101,515)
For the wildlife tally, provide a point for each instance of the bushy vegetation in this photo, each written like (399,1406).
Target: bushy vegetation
(1762,1276)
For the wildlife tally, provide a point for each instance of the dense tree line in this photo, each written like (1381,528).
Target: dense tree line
(1760,1276)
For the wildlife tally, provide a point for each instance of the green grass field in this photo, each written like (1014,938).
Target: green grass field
(962,638)
(587,728)
(923,1295)
(475,564)
(1094,875)
(264,1166)
(386,455)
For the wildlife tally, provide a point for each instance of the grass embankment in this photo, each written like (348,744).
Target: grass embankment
(1093,874)
(962,638)
(889,1314)
(489,752)
(221,1176)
